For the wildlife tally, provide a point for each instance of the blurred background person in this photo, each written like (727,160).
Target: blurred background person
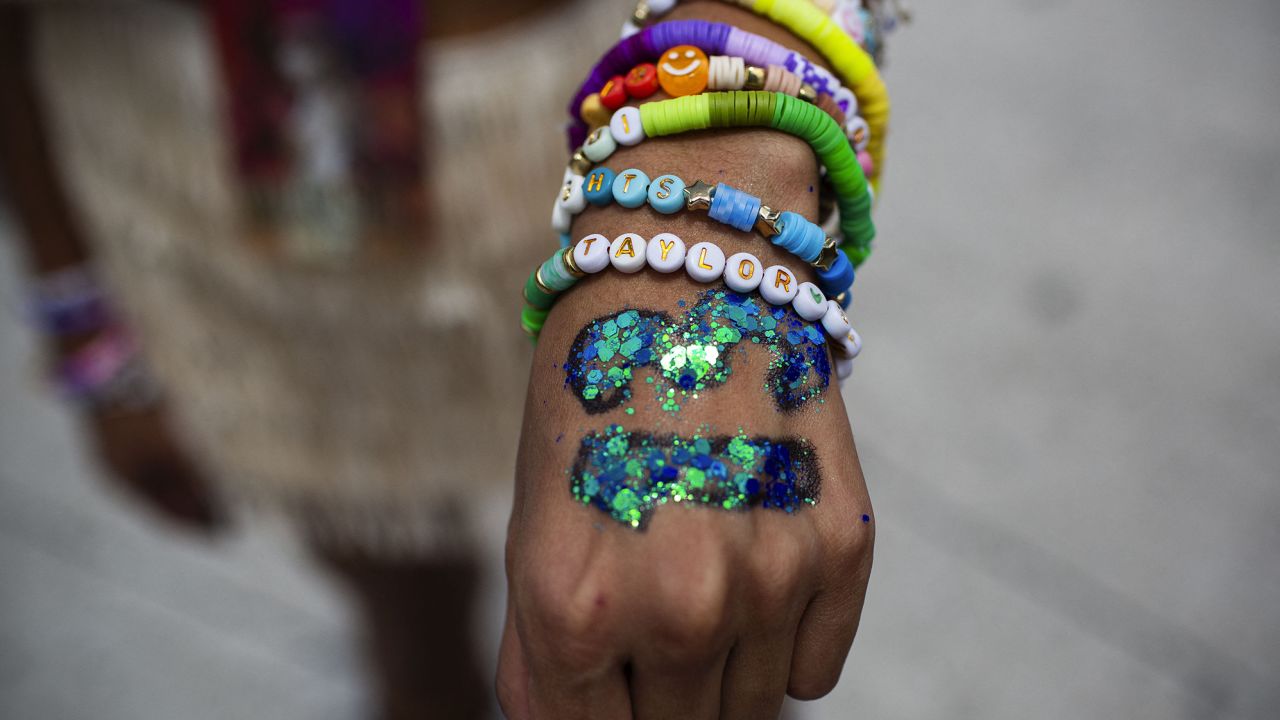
(272,244)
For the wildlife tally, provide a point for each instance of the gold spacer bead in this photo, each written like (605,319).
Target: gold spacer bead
(641,15)
(698,196)
(755,78)
(579,164)
(828,256)
(840,301)
(808,94)
(537,279)
(767,221)
(572,265)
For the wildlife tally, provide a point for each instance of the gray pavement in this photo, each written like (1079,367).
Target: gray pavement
(1068,411)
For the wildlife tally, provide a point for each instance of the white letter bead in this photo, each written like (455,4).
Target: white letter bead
(850,345)
(626,127)
(835,322)
(742,272)
(859,132)
(571,196)
(844,368)
(599,145)
(561,219)
(665,252)
(661,7)
(627,253)
(705,262)
(810,303)
(592,253)
(778,285)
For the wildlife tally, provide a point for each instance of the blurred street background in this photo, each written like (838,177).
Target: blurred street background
(1068,413)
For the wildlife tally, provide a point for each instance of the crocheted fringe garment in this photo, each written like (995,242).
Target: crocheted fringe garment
(371,401)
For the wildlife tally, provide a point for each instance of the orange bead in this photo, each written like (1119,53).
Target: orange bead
(683,71)
(642,81)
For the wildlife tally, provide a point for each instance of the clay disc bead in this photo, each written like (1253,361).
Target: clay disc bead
(742,272)
(778,286)
(705,262)
(592,253)
(627,253)
(666,252)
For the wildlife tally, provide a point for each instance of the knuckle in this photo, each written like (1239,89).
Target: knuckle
(570,622)
(813,685)
(778,569)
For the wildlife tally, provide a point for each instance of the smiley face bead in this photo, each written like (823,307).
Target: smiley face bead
(683,70)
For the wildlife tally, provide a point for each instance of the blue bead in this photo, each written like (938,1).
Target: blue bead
(734,208)
(631,188)
(598,187)
(838,279)
(666,194)
(799,237)
(565,240)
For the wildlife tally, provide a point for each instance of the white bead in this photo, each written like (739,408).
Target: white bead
(704,262)
(626,127)
(778,285)
(561,219)
(850,345)
(666,252)
(599,145)
(592,253)
(661,7)
(627,253)
(742,272)
(571,196)
(628,29)
(844,368)
(835,322)
(847,101)
(851,131)
(810,303)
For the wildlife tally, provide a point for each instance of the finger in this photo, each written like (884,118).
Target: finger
(512,682)
(757,673)
(686,690)
(826,633)
(566,692)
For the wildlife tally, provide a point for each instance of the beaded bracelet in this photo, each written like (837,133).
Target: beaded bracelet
(745,108)
(851,62)
(705,262)
(866,25)
(69,302)
(724,203)
(700,73)
(107,372)
(707,37)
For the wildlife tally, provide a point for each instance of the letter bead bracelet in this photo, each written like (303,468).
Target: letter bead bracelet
(854,65)
(705,262)
(742,211)
(697,73)
(653,44)
(742,108)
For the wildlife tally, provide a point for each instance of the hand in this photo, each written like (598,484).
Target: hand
(141,454)
(705,613)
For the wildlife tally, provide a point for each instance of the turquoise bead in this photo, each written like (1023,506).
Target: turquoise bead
(565,240)
(598,186)
(631,188)
(666,194)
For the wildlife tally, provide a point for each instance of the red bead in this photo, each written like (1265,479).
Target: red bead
(642,81)
(614,94)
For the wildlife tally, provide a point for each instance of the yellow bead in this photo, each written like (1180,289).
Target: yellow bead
(593,111)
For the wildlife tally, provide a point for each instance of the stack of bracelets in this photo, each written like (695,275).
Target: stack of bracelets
(719,76)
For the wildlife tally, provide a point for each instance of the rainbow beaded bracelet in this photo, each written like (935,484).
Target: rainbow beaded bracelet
(713,38)
(854,65)
(744,108)
(724,203)
(705,262)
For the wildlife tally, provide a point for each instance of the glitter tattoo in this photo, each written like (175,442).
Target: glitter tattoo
(629,474)
(693,353)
